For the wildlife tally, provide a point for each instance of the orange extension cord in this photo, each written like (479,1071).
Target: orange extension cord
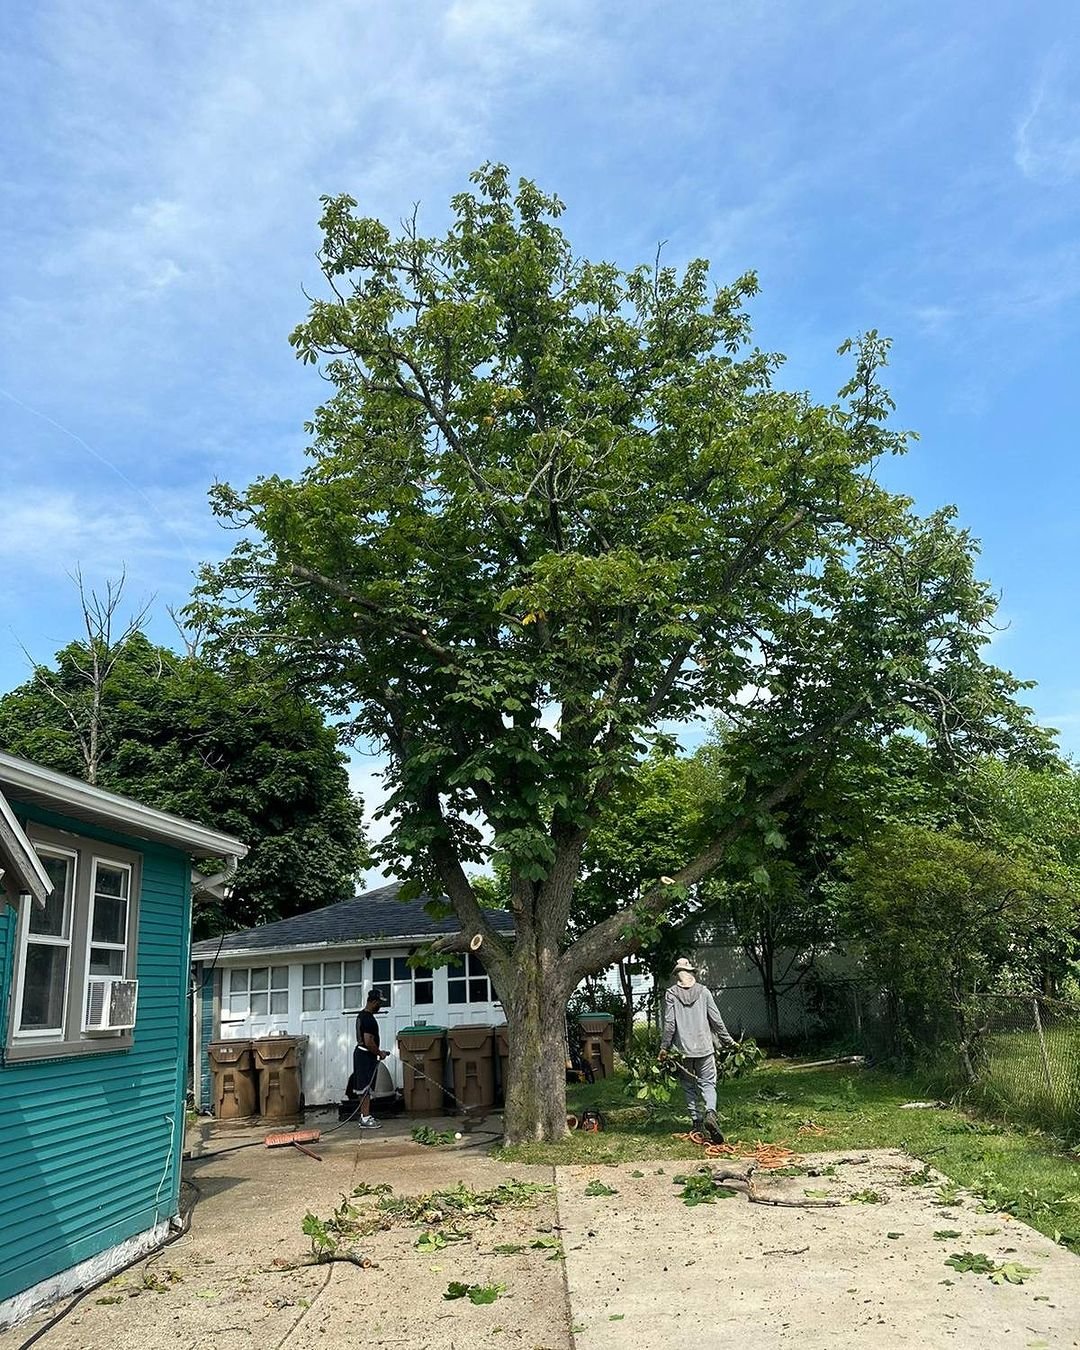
(765,1156)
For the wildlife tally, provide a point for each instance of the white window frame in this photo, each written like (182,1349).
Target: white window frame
(91,945)
(467,958)
(25,939)
(73,1038)
(341,985)
(417,978)
(247,991)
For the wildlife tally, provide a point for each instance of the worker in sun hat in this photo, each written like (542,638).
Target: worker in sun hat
(693,1025)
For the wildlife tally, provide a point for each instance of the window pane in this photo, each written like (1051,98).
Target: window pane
(476,965)
(258,1005)
(279,1001)
(425,991)
(331,996)
(456,991)
(354,972)
(279,977)
(312,1000)
(44,985)
(110,881)
(423,973)
(478,991)
(110,920)
(331,973)
(238,1003)
(312,976)
(260,978)
(238,981)
(402,969)
(52,920)
(380,969)
(456,967)
(354,997)
(104,961)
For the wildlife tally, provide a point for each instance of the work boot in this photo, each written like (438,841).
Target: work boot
(695,1125)
(712,1127)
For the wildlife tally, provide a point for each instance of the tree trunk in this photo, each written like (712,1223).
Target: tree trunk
(535,1107)
(626,980)
(772,1008)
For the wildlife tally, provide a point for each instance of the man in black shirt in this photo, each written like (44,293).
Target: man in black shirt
(366,1058)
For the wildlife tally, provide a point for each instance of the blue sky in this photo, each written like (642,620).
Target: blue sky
(912,167)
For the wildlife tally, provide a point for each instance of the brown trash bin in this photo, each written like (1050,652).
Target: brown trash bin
(472,1057)
(599,1047)
(423,1054)
(277,1059)
(502,1051)
(234,1079)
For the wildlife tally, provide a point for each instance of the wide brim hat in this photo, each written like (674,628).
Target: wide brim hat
(683,964)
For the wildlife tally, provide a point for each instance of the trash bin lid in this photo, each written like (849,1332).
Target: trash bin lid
(471,1036)
(420,1031)
(596,1017)
(227,1051)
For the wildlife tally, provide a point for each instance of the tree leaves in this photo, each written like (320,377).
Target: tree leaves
(475,1293)
(234,747)
(978,1263)
(555,508)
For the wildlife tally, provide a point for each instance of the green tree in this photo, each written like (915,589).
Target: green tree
(239,751)
(775,893)
(939,915)
(651,827)
(554,507)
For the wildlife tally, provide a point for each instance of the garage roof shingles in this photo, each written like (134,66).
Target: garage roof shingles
(373,916)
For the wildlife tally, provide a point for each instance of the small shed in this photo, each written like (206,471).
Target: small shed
(95,935)
(309,975)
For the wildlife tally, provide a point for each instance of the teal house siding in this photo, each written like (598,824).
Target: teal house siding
(206,1033)
(90,1145)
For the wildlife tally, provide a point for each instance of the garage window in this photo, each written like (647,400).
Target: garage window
(259,992)
(333,986)
(382,974)
(467,981)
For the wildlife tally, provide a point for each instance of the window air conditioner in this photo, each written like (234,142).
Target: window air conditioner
(110,1004)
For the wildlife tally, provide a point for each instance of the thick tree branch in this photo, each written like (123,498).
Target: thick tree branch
(614,937)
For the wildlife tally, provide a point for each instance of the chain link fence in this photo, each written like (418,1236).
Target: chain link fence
(1022,1055)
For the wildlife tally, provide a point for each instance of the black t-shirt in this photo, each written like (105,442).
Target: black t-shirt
(366,1021)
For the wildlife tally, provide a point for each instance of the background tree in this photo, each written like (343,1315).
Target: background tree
(554,507)
(939,916)
(238,751)
(80,696)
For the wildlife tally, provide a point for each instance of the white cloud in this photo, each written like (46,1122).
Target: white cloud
(1047,138)
(56,531)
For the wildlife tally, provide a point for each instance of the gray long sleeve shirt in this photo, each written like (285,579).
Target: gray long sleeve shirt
(691,1020)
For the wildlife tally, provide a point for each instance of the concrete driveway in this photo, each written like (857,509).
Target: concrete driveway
(646,1271)
(641,1269)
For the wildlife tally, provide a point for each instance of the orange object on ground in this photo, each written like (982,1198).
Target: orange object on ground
(292,1137)
(765,1156)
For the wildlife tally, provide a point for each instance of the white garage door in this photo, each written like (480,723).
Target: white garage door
(320,1000)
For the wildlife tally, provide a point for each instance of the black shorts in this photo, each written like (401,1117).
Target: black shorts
(364,1066)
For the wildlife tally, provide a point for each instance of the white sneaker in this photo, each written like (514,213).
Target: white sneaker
(369,1123)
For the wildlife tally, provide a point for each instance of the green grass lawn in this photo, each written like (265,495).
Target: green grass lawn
(1024,1172)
